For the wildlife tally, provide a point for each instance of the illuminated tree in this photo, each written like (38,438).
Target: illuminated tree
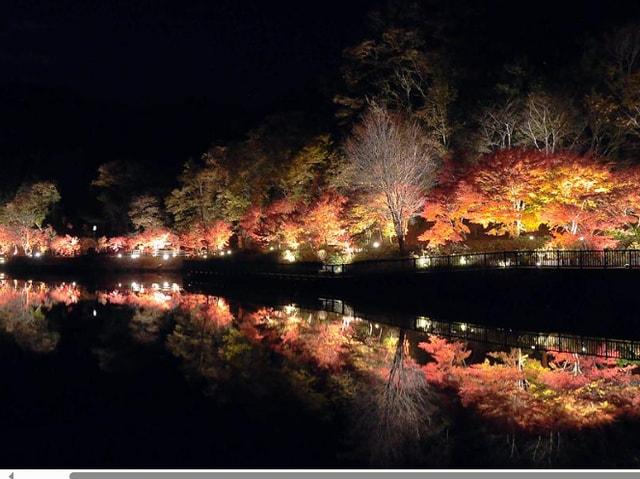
(550,123)
(322,222)
(307,169)
(145,212)
(8,239)
(65,245)
(367,216)
(26,212)
(217,235)
(391,156)
(499,125)
(200,197)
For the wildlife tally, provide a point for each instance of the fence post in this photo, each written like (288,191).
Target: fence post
(485,259)
(557,259)
(580,258)
(604,258)
(504,259)
(449,261)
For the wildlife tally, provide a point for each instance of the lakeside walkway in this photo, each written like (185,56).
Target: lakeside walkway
(533,259)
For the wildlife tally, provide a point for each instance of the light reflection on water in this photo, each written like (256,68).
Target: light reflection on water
(393,393)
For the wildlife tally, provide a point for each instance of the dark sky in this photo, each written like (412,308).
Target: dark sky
(247,53)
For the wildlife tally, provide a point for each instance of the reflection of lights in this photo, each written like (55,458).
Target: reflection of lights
(289,256)
(160,297)
(165,285)
(377,326)
(95,313)
(135,255)
(135,286)
(175,287)
(73,284)
(271,248)
(228,251)
(531,237)
(581,238)
(533,346)
(119,255)
(463,327)
(37,254)
(95,228)
(376,244)
(165,256)
(538,263)
(174,254)
(119,285)
(2,259)
(584,350)
(463,260)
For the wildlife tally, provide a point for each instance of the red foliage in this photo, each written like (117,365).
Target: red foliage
(323,222)
(447,357)
(65,245)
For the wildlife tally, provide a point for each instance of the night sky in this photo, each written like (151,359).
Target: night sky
(85,82)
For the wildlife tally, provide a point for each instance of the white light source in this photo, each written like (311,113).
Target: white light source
(228,251)
(95,313)
(119,255)
(165,256)
(376,244)
(422,262)
(531,237)
(463,260)
(135,255)
(581,238)
(95,228)
(37,254)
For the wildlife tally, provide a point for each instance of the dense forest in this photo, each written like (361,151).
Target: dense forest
(435,133)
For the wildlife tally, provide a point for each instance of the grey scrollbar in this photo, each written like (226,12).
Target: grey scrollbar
(358,475)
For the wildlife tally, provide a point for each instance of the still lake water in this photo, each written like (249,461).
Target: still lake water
(140,372)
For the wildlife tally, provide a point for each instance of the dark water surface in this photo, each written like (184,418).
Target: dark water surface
(140,372)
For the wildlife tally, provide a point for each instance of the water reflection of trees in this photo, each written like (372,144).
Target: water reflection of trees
(23,309)
(524,409)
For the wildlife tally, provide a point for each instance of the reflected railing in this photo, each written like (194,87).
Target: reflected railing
(508,338)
